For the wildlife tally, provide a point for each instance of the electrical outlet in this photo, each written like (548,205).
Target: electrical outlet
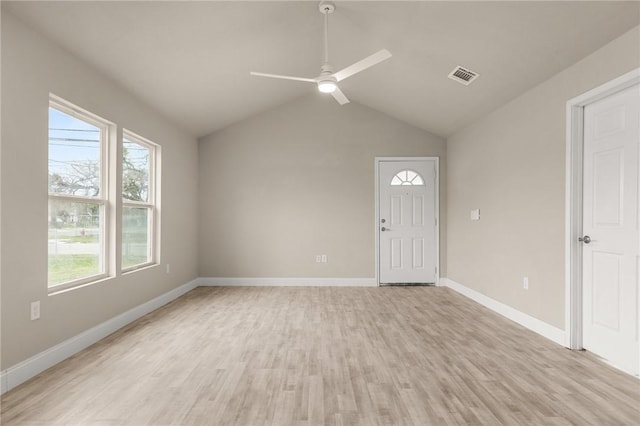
(35,310)
(324,258)
(318,258)
(168,268)
(525,283)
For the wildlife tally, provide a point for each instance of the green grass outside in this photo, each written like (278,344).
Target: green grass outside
(128,261)
(69,267)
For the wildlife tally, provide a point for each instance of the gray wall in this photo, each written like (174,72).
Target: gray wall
(511,165)
(296,181)
(32,67)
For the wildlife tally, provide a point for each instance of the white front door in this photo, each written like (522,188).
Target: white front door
(407,221)
(611,228)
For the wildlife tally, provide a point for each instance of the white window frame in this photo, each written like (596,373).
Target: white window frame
(151,204)
(103,199)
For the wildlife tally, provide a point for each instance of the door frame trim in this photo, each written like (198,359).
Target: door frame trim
(376,224)
(573,200)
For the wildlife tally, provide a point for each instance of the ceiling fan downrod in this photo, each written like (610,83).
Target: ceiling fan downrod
(327,83)
(326,7)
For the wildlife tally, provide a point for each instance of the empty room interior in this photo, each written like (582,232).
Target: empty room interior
(304,212)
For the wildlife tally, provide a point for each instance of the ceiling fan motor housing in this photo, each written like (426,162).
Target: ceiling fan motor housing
(326,70)
(326,81)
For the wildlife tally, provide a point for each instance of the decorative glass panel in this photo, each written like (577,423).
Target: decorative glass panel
(407,177)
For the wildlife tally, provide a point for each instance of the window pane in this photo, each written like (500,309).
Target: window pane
(135,171)
(75,246)
(74,155)
(135,236)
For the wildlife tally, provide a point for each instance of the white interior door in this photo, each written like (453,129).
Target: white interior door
(407,215)
(611,228)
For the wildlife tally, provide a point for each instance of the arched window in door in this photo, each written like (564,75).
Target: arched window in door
(407,177)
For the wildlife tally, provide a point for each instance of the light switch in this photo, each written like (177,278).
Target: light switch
(475,214)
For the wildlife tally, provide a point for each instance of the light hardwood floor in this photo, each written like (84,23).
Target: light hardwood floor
(334,356)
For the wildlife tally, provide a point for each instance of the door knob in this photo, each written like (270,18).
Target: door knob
(382,220)
(383,229)
(586,239)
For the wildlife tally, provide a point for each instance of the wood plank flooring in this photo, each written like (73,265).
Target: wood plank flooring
(332,356)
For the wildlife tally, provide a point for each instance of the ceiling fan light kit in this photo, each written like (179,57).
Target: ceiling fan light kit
(327,86)
(327,81)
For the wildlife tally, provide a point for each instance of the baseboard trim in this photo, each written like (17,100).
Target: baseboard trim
(542,328)
(287,282)
(25,370)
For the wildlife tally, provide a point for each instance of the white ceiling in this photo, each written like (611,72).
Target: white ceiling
(191,60)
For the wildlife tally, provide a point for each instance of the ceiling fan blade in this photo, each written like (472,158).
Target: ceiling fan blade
(284,77)
(362,65)
(339,96)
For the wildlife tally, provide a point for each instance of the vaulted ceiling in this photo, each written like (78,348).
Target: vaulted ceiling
(191,60)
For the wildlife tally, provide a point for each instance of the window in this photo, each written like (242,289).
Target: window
(78,206)
(83,190)
(407,177)
(138,201)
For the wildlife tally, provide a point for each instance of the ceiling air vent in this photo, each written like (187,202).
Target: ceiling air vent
(463,75)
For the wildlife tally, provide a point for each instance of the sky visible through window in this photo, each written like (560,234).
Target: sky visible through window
(74,155)
(77,206)
(75,227)
(135,171)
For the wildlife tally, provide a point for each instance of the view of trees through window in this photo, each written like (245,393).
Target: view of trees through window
(76,204)
(79,203)
(137,209)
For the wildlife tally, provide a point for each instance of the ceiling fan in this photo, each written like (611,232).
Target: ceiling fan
(327,80)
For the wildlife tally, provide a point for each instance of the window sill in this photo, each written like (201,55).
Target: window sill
(140,267)
(64,288)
